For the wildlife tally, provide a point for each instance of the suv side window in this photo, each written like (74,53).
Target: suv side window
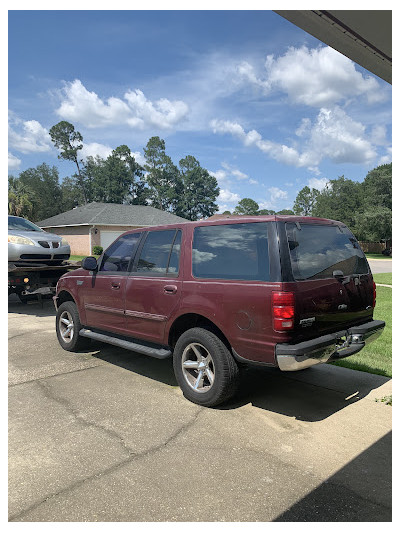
(160,253)
(118,255)
(231,251)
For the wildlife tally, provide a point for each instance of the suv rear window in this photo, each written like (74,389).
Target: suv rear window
(231,251)
(317,250)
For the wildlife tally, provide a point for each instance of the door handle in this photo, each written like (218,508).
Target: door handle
(170,289)
(115,285)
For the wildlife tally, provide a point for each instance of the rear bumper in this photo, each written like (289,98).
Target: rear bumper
(328,347)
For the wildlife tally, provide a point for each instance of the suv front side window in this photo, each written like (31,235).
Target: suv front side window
(231,251)
(118,255)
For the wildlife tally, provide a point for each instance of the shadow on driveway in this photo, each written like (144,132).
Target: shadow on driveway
(310,395)
(344,497)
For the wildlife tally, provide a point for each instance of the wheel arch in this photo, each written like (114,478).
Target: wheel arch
(65,296)
(194,320)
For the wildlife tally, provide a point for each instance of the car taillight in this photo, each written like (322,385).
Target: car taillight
(283,310)
(374,299)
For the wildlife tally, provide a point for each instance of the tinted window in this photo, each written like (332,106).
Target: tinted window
(317,250)
(231,251)
(156,252)
(117,256)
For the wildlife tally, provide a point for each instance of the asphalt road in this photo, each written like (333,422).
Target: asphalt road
(107,436)
(379,266)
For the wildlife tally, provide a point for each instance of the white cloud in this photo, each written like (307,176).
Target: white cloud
(333,135)
(338,137)
(319,77)
(219,175)
(227,196)
(139,158)
(235,172)
(95,149)
(247,72)
(28,136)
(229,173)
(318,183)
(13,161)
(277,194)
(135,111)
(378,135)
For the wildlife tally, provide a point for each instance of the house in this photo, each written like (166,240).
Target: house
(100,224)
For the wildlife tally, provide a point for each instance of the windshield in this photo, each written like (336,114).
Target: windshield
(317,250)
(21,224)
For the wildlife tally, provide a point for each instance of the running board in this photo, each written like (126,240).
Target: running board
(158,353)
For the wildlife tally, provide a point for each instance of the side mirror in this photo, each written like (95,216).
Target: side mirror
(89,263)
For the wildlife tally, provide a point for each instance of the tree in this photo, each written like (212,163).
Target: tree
(19,199)
(373,221)
(266,212)
(71,194)
(376,189)
(42,185)
(285,212)
(340,200)
(163,177)
(372,225)
(116,179)
(305,201)
(199,191)
(246,206)
(69,142)
(226,213)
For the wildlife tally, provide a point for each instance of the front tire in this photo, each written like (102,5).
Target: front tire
(204,368)
(68,326)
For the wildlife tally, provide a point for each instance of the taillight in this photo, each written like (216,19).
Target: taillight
(283,310)
(374,299)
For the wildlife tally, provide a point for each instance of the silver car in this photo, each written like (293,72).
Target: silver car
(29,243)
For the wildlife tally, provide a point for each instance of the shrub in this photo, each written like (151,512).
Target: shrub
(97,250)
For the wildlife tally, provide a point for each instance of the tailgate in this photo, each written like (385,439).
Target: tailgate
(324,306)
(332,283)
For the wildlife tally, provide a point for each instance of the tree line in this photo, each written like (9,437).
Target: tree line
(365,207)
(187,190)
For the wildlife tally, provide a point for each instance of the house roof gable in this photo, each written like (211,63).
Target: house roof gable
(113,214)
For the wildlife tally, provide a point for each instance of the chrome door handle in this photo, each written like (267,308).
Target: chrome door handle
(170,289)
(115,285)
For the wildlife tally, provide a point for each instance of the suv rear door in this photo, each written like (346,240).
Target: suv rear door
(325,300)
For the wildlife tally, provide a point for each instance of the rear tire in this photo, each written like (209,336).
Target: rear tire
(205,368)
(68,326)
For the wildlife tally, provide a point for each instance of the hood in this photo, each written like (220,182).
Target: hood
(36,235)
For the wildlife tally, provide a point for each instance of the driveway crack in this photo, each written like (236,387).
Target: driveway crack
(131,455)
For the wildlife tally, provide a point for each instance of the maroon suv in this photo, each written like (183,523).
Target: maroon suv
(269,290)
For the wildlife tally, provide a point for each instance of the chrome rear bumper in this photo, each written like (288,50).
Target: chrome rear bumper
(337,345)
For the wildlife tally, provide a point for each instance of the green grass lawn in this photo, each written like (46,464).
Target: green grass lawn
(376,358)
(377,256)
(383,278)
(80,257)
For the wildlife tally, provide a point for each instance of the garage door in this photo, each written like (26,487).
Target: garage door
(107,237)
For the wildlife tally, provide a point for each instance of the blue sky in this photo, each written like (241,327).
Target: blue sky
(265,107)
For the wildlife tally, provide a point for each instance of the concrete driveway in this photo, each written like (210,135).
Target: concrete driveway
(379,266)
(106,435)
